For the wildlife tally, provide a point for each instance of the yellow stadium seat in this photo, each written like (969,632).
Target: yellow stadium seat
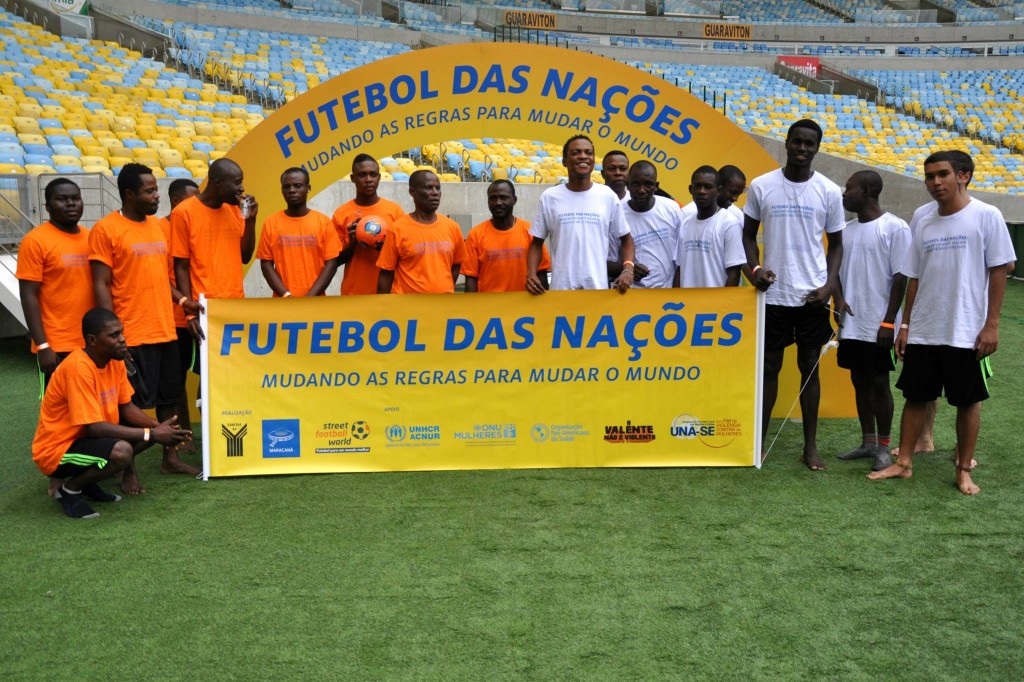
(11,169)
(102,170)
(63,160)
(157,143)
(94,161)
(121,151)
(158,172)
(31,138)
(39,169)
(197,155)
(116,161)
(170,157)
(217,154)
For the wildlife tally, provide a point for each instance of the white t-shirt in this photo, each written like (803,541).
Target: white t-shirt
(794,217)
(872,253)
(689,210)
(736,211)
(950,257)
(655,233)
(707,247)
(580,225)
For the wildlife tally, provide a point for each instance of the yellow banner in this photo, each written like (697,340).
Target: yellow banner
(532,20)
(728,31)
(482,381)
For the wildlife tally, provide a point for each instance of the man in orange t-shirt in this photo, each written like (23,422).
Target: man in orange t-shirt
(423,251)
(54,277)
(89,429)
(299,247)
(360,261)
(496,248)
(128,255)
(210,240)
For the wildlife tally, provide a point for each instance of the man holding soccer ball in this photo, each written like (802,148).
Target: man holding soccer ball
(360,259)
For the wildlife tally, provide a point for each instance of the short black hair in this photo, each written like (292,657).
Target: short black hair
(960,161)
(643,164)
(362,158)
(565,147)
(52,186)
(179,186)
(130,177)
(94,321)
(222,167)
(805,123)
(728,173)
(870,180)
(614,152)
(504,181)
(706,170)
(414,179)
(296,169)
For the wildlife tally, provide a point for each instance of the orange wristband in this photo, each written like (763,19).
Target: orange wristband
(887,325)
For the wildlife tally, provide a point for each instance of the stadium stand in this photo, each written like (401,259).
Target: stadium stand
(269,66)
(75,105)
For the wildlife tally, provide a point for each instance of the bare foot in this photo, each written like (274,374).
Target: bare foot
(965,484)
(55,484)
(813,461)
(130,484)
(172,465)
(894,471)
(921,448)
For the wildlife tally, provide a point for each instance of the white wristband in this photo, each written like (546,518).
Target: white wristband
(904,326)
(43,346)
(145,435)
(287,294)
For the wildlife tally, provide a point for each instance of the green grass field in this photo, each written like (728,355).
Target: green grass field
(539,574)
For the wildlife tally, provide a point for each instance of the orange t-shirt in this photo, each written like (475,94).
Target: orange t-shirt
(299,248)
(360,273)
(179,312)
(422,256)
(79,394)
(211,240)
(136,253)
(60,263)
(497,258)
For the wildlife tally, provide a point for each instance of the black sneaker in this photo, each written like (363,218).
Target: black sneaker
(97,494)
(74,505)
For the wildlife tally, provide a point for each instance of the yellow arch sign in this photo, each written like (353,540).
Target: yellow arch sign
(491,90)
(494,90)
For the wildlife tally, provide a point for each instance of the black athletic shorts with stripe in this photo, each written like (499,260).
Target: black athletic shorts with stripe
(930,371)
(83,454)
(865,356)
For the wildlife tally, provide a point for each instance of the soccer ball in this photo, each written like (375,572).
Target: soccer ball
(360,430)
(371,230)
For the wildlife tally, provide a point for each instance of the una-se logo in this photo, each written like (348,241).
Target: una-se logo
(280,438)
(235,439)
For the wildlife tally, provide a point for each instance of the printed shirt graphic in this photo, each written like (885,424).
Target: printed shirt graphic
(580,225)
(655,234)
(497,258)
(707,248)
(872,253)
(211,240)
(79,394)
(360,273)
(299,248)
(950,257)
(60,263)
(422,256)
(794,218)
(136,254)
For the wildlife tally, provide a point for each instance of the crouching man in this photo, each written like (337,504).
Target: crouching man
(89,429)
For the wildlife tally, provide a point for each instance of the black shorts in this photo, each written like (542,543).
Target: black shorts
(865,356)
(809,326)
(83,454)
(157,381)
(930,370)
(188,354)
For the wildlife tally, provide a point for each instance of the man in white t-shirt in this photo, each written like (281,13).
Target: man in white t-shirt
(732,184)
(959,252)
(710,249)
(580,217)
(867,308)
(797,207)
(654,224)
